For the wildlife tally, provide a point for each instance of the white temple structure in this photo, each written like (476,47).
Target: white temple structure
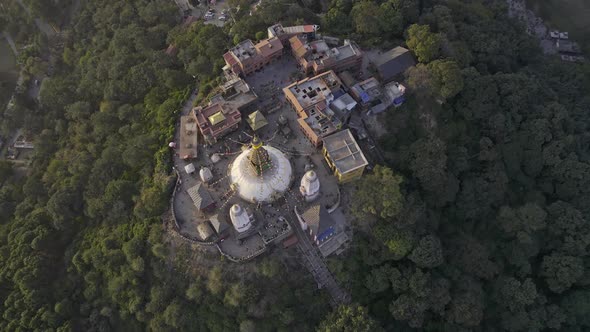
(205,174)
(260,174)
(310,186)
(240,218)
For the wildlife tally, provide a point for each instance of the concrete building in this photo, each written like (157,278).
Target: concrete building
(375,97)
(188,137)
(235,93)
(344,156)
(308,32)
(317,57)
(391,64)
(216,120)
(310,99)
(342,107)
(246,57)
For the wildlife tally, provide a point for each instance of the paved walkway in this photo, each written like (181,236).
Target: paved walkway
(317,267)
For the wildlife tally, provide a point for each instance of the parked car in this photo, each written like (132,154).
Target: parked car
(209,16)
(222,18)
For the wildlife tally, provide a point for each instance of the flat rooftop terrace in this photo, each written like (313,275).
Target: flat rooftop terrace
(244,50)
(344,151)
(188,137)
(315,89)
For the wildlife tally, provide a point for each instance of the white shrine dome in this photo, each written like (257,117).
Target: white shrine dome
(263,183)
(240,218)
(310,186)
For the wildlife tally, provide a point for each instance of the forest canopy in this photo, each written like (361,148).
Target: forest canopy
(477,220)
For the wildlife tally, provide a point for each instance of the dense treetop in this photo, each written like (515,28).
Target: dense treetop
(478,220)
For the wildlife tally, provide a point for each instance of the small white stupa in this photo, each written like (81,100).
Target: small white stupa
(240,218)
(205,174)
(310,186)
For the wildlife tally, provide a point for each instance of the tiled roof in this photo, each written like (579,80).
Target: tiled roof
(200,196)
(218,225)
(318,219)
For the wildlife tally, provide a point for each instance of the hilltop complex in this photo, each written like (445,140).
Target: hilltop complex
(252,156)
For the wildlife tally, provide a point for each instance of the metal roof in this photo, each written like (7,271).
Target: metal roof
(216,118)
(394,62)
(257,120)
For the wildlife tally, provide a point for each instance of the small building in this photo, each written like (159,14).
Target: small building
(216,121)
(568,47)
(188,137)
(205,231)
(376,97)
(393,63)
(235,93)
(317,57)
(205,174)
(201,197)
(189,169)
(344,156)
(256,120)
(247,57)
(220,226)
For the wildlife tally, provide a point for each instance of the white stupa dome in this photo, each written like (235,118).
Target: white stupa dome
(261,173)
(240,218)
(310,186)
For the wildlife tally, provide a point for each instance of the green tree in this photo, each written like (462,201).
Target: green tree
(446,77)
(428,252)
(215,280)
(425,44)
(379,193)
(260,35)
(349,318)
(561,271)
(363,14)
